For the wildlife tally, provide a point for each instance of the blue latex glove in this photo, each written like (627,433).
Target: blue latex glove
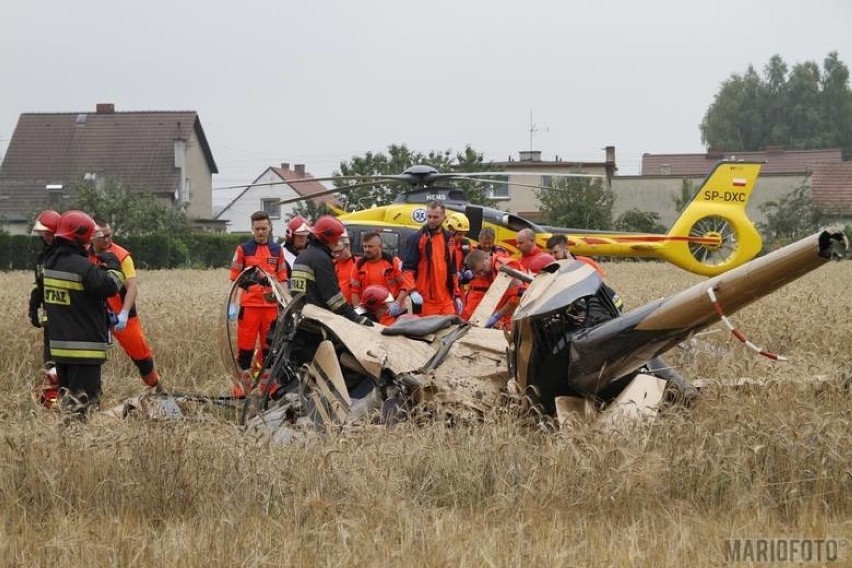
(121,321)
(416,298)
(491,321)
(232,312)
(394,309)
(466,276)
(459,306)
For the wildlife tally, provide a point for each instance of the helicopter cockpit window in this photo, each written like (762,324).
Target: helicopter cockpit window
(390,243)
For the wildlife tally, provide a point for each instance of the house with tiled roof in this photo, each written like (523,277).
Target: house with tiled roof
(775,160)
(164,153)
(663,176)
(265,193)
(831,187)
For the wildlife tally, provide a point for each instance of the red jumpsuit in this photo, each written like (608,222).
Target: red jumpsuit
(512,294)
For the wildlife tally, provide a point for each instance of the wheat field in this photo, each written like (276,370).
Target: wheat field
(754,462)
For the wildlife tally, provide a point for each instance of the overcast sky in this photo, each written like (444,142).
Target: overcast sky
(319,81)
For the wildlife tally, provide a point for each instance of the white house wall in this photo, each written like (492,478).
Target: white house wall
(239,212)
(659,194)
(200,181)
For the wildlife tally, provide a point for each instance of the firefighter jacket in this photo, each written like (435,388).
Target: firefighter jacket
(37,292)
(428,266)
(270,259)
(314,276)
(387,271)
(75,291)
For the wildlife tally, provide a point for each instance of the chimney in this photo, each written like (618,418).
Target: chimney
(530,155)
(299,169)
(105,108)
(285,166)
(715,153)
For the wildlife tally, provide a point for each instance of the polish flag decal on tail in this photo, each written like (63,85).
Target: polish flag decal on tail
(739,182)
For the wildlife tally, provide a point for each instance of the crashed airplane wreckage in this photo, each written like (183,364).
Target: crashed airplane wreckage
(569,351)
(569,348)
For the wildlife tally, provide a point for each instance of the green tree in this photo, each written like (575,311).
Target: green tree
(799,107)
(791,217)
(577,203)
(396,160)
(129,212)
(687,192)
(638,221)
(310,209)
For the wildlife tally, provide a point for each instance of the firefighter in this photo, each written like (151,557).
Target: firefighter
(45,226)
(75,291)
(313,272)
(428,266)
(128,327)
(257,307)
(295,240)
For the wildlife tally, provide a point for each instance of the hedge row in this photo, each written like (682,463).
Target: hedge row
(197,250)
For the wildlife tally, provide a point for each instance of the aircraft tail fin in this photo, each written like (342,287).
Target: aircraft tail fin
(713,232)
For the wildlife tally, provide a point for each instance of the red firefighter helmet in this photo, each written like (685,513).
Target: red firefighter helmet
(46,221)
(328,230)
(75,226)
(374,296)
(538,263)
(298,225)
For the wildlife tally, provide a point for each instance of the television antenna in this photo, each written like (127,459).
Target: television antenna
(534,128)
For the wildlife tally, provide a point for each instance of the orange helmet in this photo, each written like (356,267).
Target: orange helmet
(298,225)
(540,261)
(374,296)
(46,221)
(328,230)
(75,226)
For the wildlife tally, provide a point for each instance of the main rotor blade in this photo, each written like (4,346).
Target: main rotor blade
(507,182)
(518,173)
(324,193)
(375,178)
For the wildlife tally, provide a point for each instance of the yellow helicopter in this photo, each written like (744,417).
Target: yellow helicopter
(712,234)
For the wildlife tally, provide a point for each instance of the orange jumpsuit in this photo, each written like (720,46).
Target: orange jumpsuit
(480,285)
(257,308)
(526,259)
(343,269)
(387,271)
(429,269)
(131,338)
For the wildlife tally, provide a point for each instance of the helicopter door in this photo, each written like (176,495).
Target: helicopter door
(474,215)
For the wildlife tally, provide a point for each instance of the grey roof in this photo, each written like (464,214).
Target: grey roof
(57,148)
